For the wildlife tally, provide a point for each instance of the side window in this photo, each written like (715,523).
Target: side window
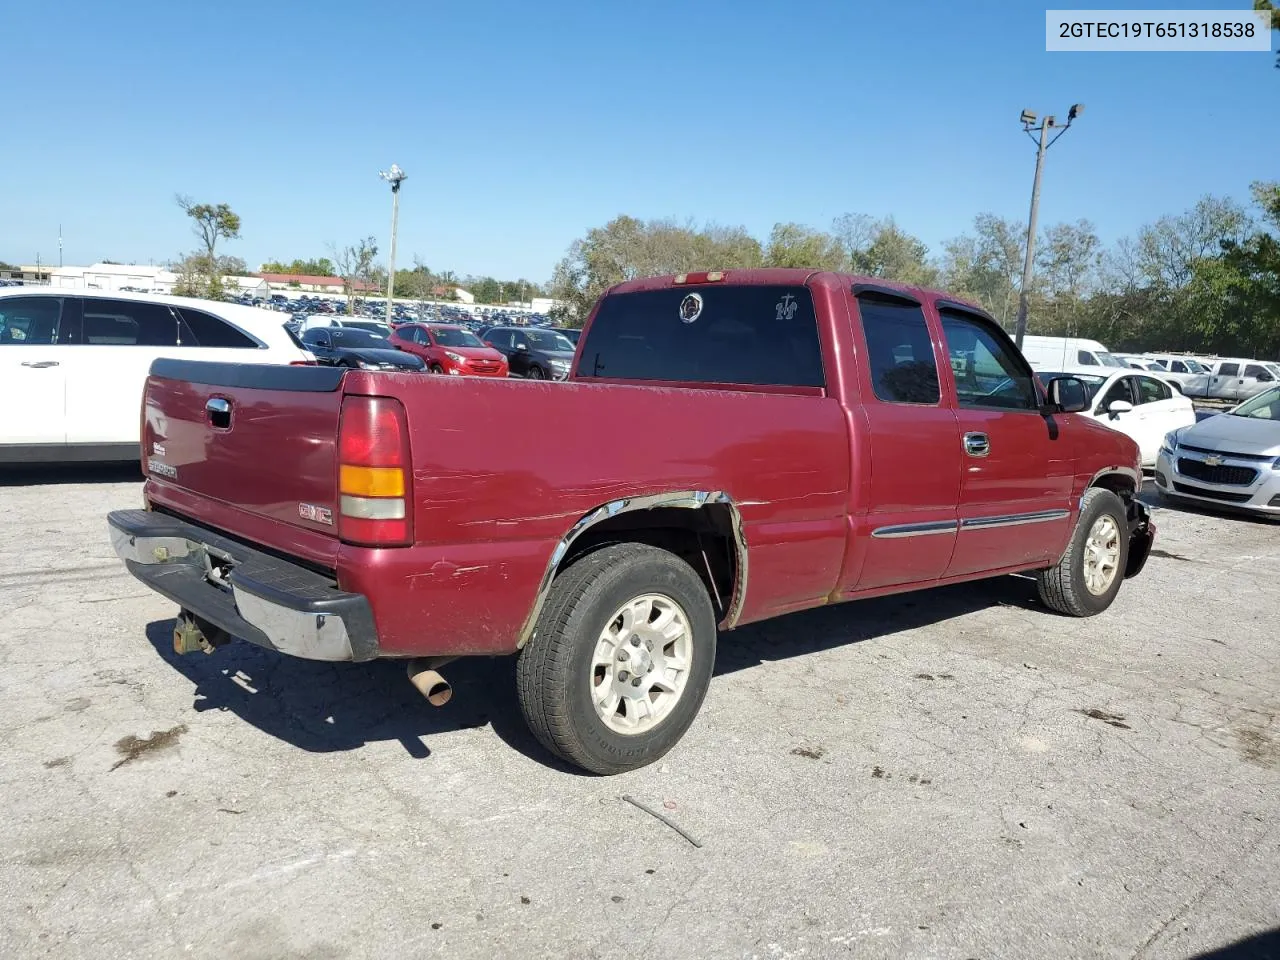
(1253,370)
(1179,367)
(1086,359)
(988,369)
(29,320)
(1229,370)
(1120,390)
(1151,390)
(125,323)
(499,338)
(211,331)
(422,336)
(519,340)
(903,367)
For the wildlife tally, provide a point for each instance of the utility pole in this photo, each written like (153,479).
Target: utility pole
(1043,143)
(395,176)
(59,246)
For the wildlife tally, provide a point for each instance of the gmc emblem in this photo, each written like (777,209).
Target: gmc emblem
(309,511)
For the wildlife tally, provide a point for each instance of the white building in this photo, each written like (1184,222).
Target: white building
(114,276)
(142,279)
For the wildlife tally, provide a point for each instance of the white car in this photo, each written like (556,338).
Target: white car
(73,363)
(1144,406)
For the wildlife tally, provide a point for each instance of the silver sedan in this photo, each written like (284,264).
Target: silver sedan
(1232,459)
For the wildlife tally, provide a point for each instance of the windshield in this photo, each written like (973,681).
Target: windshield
(453,337)
(1110,360)
(357,339)
(544,340)
(1090,381)
(369,326)
(1265,406)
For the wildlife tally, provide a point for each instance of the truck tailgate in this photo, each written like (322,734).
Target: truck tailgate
(247,448)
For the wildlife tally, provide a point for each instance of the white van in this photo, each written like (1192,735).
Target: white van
(1067,353)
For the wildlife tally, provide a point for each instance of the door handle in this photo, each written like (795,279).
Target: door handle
(219,411)
(39,364)
(977,444)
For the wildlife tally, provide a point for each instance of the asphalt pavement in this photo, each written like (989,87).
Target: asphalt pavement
(954,774)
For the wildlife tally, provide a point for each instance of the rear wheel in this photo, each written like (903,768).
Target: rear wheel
(535,373)
(621,658)
(1088,577)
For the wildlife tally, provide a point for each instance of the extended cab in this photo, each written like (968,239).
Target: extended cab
(729,447)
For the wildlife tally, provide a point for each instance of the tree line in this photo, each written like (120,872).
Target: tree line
(1207,279)
(201,273)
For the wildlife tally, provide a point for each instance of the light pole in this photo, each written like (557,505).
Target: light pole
(1043,143)
(395,176)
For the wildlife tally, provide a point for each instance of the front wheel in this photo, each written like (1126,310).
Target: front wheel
(436,368)
(621,658)
(535,373)
(1088,577)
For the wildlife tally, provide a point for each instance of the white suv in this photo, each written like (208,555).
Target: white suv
(73,363)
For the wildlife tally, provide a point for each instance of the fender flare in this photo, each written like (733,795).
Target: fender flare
(683,499)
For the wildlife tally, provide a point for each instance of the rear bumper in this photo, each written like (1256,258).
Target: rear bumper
(263,599)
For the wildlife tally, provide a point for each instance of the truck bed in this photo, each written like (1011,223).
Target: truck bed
(501,471)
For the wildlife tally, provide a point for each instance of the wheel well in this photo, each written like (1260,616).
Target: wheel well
(1120,484)
(702,537)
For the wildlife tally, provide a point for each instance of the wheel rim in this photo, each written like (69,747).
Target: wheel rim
(535,374)
(1101,555)
(641,663)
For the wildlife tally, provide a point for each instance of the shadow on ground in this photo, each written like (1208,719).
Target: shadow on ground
(1264,946)
(324,707)
(43,474)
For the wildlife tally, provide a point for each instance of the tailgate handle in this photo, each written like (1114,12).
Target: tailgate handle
(219,411)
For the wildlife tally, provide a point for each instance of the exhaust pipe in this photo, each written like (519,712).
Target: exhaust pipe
(428,682)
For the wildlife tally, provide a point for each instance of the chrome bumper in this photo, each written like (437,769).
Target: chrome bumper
(250,594)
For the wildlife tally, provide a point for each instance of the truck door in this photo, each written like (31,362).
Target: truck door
(1015,492)
(907,438)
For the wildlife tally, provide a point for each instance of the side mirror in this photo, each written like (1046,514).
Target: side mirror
(522,346)
(1117,407)
(489,343)
(1066,395)
(1265,377)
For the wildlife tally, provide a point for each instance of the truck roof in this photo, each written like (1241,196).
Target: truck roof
(795,276)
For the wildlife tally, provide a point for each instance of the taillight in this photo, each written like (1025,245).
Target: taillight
(375,492)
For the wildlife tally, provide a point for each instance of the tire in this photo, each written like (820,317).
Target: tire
(560,676)
(1071,587)
(535,373)
(436,368)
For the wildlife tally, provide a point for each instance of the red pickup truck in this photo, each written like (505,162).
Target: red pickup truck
(729,447)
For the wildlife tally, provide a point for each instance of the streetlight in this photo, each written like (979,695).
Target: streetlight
(1043,143)
(395,176)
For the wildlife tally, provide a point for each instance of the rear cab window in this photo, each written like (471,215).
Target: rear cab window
(745,334)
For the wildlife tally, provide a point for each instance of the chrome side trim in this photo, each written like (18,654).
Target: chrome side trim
(1014,519)
(686,499)
(900,530)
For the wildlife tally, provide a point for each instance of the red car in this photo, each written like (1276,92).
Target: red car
(728,447)
(448,349)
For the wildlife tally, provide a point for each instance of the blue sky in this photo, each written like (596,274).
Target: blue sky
(522,125)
